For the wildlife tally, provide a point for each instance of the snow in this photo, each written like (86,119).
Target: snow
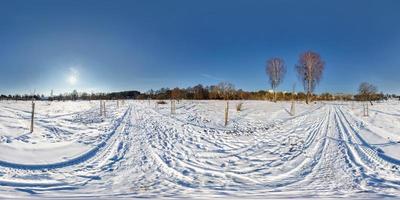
(139,149)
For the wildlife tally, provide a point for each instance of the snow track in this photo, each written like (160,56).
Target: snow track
(79,159)
(143,151)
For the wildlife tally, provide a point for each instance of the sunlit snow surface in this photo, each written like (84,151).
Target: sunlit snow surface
(141,150)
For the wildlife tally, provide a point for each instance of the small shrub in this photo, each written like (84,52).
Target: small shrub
(239,106)
(161,102)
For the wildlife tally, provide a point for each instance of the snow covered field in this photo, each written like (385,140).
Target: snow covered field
(140,150)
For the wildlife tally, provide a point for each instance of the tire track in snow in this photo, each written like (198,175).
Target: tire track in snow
(80,172)
(334,174)
(82,158)
(205,170)
(377,173)
(152,155)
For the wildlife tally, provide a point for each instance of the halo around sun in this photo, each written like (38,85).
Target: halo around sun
(72,78)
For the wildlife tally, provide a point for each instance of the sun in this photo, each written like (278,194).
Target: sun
(73,75)
(72,80)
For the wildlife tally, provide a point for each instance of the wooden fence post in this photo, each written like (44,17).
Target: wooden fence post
(172,106)
(101,107)
(292,108)
(33,116)
(226,113)
(104,108)
(365,109)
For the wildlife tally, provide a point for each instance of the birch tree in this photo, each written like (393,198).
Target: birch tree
(309,68)
(276,71)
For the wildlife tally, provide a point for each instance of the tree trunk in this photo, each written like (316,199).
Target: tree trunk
(308,89)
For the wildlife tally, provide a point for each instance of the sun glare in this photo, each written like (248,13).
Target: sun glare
(73,76)
(72,80)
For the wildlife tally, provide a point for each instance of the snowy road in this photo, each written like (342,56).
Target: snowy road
(139,150)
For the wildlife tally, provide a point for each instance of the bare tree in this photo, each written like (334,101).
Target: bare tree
(367,91)
(226,90)
(176,94)
(309,68)
(200,92)
(276,71)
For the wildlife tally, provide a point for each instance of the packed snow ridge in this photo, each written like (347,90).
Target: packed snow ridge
(140,149)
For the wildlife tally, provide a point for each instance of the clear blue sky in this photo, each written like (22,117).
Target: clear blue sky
(123,45)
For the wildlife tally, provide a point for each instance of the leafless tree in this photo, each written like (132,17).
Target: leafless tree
(276,71)
(226,90)
(176,94)
(309,68)
(366,91)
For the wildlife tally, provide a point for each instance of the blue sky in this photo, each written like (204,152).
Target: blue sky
(124,45)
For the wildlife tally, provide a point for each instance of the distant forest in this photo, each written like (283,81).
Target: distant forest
(222,91)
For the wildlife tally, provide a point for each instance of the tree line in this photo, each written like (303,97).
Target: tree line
(221,91)
(73,96)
